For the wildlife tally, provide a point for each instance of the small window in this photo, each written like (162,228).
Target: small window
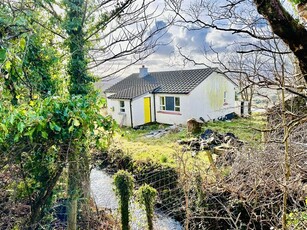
(225,96)
(122,106)
(177,104)
(170,103)
(162,103)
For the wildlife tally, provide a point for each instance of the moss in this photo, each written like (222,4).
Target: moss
(147,197)
(124,184)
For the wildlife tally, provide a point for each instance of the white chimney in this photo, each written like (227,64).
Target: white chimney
(143,72)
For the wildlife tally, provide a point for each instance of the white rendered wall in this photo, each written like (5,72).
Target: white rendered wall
(138,109)
(138,116)
(117,115)
(206,101)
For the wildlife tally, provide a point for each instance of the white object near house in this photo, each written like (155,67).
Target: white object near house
(242,108)
(171,97)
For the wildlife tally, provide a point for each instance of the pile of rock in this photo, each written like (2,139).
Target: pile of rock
(161,132)
(211,140)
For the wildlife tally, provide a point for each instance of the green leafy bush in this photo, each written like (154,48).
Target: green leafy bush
(298,1)
(297,219)
(39,134)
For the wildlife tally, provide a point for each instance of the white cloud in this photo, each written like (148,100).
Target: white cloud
(191,39)
(194,43)
(220,39)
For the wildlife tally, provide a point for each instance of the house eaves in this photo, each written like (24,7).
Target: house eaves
(133,92)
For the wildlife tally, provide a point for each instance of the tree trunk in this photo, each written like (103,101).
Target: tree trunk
(286,156)
(84,171)
(80,84)
(43,197)
(124,211)
(73,190)
(149,217)
(287,28)
(249,107)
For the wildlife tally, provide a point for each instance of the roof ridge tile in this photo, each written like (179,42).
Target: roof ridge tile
(174,81)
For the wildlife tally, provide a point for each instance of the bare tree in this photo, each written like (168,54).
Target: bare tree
(250,29)
(264,183)
(290,30)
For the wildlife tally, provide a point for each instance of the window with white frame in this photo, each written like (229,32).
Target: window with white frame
(225,96)
(170,103)
(162,103)
(177,104)
(122,106)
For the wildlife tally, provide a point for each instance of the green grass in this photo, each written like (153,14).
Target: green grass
(140,135)
(142,150)
(163,150)
(246,129)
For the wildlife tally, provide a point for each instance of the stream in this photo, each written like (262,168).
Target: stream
(104,196)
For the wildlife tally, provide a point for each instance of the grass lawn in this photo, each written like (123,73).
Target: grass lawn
(244,128)
(165,149)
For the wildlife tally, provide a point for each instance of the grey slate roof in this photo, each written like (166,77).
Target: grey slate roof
(134,91)
(172,82)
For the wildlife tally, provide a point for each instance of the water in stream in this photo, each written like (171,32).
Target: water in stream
(102,192)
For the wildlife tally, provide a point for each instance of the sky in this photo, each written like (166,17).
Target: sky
(186,39)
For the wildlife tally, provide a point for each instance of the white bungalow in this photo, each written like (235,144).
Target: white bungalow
(171,97)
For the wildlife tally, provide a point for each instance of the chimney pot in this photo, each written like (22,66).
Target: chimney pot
(143,72)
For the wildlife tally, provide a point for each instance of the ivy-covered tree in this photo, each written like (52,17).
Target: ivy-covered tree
(147,197)
(45,56)
(80,84)
(124,184)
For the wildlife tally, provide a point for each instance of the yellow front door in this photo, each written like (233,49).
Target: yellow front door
(147,110)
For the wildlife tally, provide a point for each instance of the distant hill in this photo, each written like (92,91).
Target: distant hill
(104,84)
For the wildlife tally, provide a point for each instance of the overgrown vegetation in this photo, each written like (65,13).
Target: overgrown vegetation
(147,196)
(298,1)
(51,122)
(50,112)
(135,144)
(124,184)
(219,197)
